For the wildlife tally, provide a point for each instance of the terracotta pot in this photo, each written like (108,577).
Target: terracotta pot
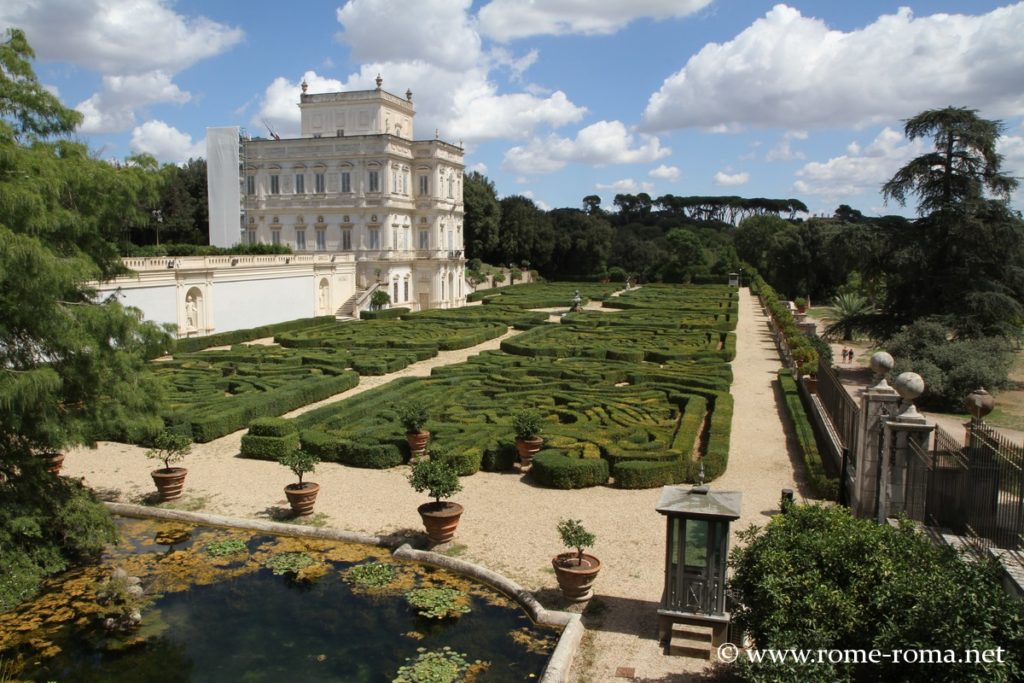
(417,441)
(54,461)
(169,482)
(576,581)
(302,497)
(440,520)
(527,448)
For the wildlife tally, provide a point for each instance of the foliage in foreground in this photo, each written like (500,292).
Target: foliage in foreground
(69,364)
(818,578)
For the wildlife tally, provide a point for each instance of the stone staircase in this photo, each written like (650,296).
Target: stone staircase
(691,640)
(347,311)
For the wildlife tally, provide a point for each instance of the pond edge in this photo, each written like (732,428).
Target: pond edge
(557,669)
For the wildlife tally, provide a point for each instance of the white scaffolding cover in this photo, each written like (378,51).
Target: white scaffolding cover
(223,186)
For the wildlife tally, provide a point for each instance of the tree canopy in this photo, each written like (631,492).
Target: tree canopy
(69,364)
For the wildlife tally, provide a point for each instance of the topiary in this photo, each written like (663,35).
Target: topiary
(438,479)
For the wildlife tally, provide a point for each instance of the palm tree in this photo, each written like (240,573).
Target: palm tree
(848,313)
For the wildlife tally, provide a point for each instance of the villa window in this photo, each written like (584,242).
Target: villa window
(275,237)
(394,181)
(406,291)
(424,239)
(300,240)
(346,240)
(275,184)
(374,238)
(250,184)
(424,185)
(250,236)
(396,291)
(318,179)
(346,181)
(300,183)
(374,181)
(321,240)
(451,187)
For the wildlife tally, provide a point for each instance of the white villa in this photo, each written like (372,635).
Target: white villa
(362,204)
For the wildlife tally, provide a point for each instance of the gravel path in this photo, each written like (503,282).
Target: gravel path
(509,524)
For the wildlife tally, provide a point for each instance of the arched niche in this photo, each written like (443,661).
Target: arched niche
(323,297)
(195,312)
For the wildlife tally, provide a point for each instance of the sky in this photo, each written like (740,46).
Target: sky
(557,99)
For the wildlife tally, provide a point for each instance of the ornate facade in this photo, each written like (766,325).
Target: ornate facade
(357,183)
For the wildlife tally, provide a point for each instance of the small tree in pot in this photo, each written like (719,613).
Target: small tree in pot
(527,424)
(302,495)
(576,571)
(439,480)
(414,417)
(169,447)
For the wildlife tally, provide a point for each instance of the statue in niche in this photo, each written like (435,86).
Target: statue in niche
(323,299)
(191,313)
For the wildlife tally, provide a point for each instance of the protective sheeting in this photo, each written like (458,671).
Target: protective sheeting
(223,185)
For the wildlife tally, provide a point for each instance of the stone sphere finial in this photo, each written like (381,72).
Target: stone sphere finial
(909,385)
(979,403)
(881,364)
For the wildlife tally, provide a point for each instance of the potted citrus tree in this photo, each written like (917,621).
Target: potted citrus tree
(576,571)
(527,424)
(438,480)
(169,447)
(414,417)
(302,495)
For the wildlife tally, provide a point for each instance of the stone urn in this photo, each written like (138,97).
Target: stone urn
(527,448)
(574,578)
(302,497)
(417,442)
(440,520)
(170,482)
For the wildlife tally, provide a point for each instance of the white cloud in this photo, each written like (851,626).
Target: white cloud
(541,204)
(166,143)
(439,32)
(479,167)
(1012,149)
(626,185)
(280,105)
(113,108)
(137,47)
(670,173)
(782,151)
(860,169)
(599,144)
(505,20)
(731,179)
(788,70)
(117,37)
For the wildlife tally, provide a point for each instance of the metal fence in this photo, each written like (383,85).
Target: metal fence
(974,490)
(841,408)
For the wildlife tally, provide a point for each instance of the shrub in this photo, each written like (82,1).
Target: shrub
(574,535)
(384,313)
(645,474)
(300,462)
(413,416)
(465,462)
(818,578)
(268,447)
(438,479)
(380,298)
(169,447)
(272,426)
(616,274)
(499,458)
(527,423)
(556,469)
(823,486)
(951,368)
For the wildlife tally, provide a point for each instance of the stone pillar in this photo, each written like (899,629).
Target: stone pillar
(877,402)
(900,432)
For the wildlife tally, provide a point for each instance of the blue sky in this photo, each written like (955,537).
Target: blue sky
(557,99)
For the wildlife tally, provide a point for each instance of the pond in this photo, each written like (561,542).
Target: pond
(236,605)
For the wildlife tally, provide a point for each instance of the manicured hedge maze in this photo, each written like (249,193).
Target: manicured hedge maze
(424,336)
(640,423)
(213,393)
(621,342)
(512,316)
(717,298)
(545,294)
